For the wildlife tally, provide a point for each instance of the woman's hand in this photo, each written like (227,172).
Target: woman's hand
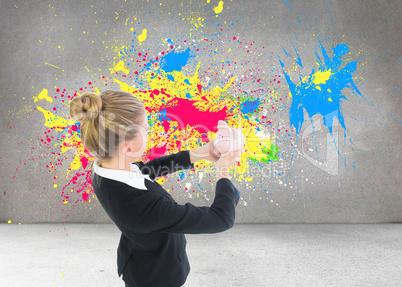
(229,158)
(204,152)
(209,152)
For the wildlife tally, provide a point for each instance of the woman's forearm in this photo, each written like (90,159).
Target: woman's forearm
(199,153)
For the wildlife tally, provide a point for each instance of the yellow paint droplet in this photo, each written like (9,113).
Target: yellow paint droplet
(329,99)
(230,49)
(208,1)
(198,195)
(329,90)
(249,178)
(65,201)
(55,185)
(223,71)
(143,36)
(132,29)
(62,275)
(9,221)
(218,9)
(84,32)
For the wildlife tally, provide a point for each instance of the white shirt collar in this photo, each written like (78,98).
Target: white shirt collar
(134,178)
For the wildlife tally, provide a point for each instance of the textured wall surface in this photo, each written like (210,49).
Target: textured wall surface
(315,85)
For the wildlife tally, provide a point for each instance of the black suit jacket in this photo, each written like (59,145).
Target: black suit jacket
(151,250)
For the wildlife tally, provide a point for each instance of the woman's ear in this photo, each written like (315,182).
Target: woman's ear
(131,148)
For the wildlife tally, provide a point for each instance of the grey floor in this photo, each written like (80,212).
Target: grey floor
(246,255)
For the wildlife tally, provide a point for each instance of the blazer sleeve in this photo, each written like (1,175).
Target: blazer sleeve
(166,164)
(152,213)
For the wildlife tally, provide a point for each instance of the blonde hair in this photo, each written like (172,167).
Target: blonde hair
(106,120)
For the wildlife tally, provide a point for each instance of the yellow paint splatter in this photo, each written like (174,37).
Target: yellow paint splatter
(9,221)
(321,77)
(143,36)
(160,180)
(119,67)
(329,99)
(54,121)
(249,178)
(43,95)
(55,185)
(218,9)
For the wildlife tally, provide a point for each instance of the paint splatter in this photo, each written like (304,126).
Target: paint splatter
(143,36)
(218,9)
(320,93)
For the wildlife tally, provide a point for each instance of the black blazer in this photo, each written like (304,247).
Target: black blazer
(151,250)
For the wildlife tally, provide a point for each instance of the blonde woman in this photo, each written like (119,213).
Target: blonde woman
(151,251)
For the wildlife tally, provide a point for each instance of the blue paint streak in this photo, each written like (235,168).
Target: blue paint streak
(298,61)
(376,59)
(287,54)
(315,101)
(393,117)
(298,57)
(175,61)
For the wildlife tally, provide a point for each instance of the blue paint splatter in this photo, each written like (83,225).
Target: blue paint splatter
(175,61)
(325,97)
(249,106)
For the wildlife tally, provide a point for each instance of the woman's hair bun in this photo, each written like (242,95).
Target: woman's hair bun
(87,106)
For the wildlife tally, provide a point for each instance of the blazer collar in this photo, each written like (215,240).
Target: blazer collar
(134,178)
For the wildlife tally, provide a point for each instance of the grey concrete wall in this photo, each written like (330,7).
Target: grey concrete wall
(67,44)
